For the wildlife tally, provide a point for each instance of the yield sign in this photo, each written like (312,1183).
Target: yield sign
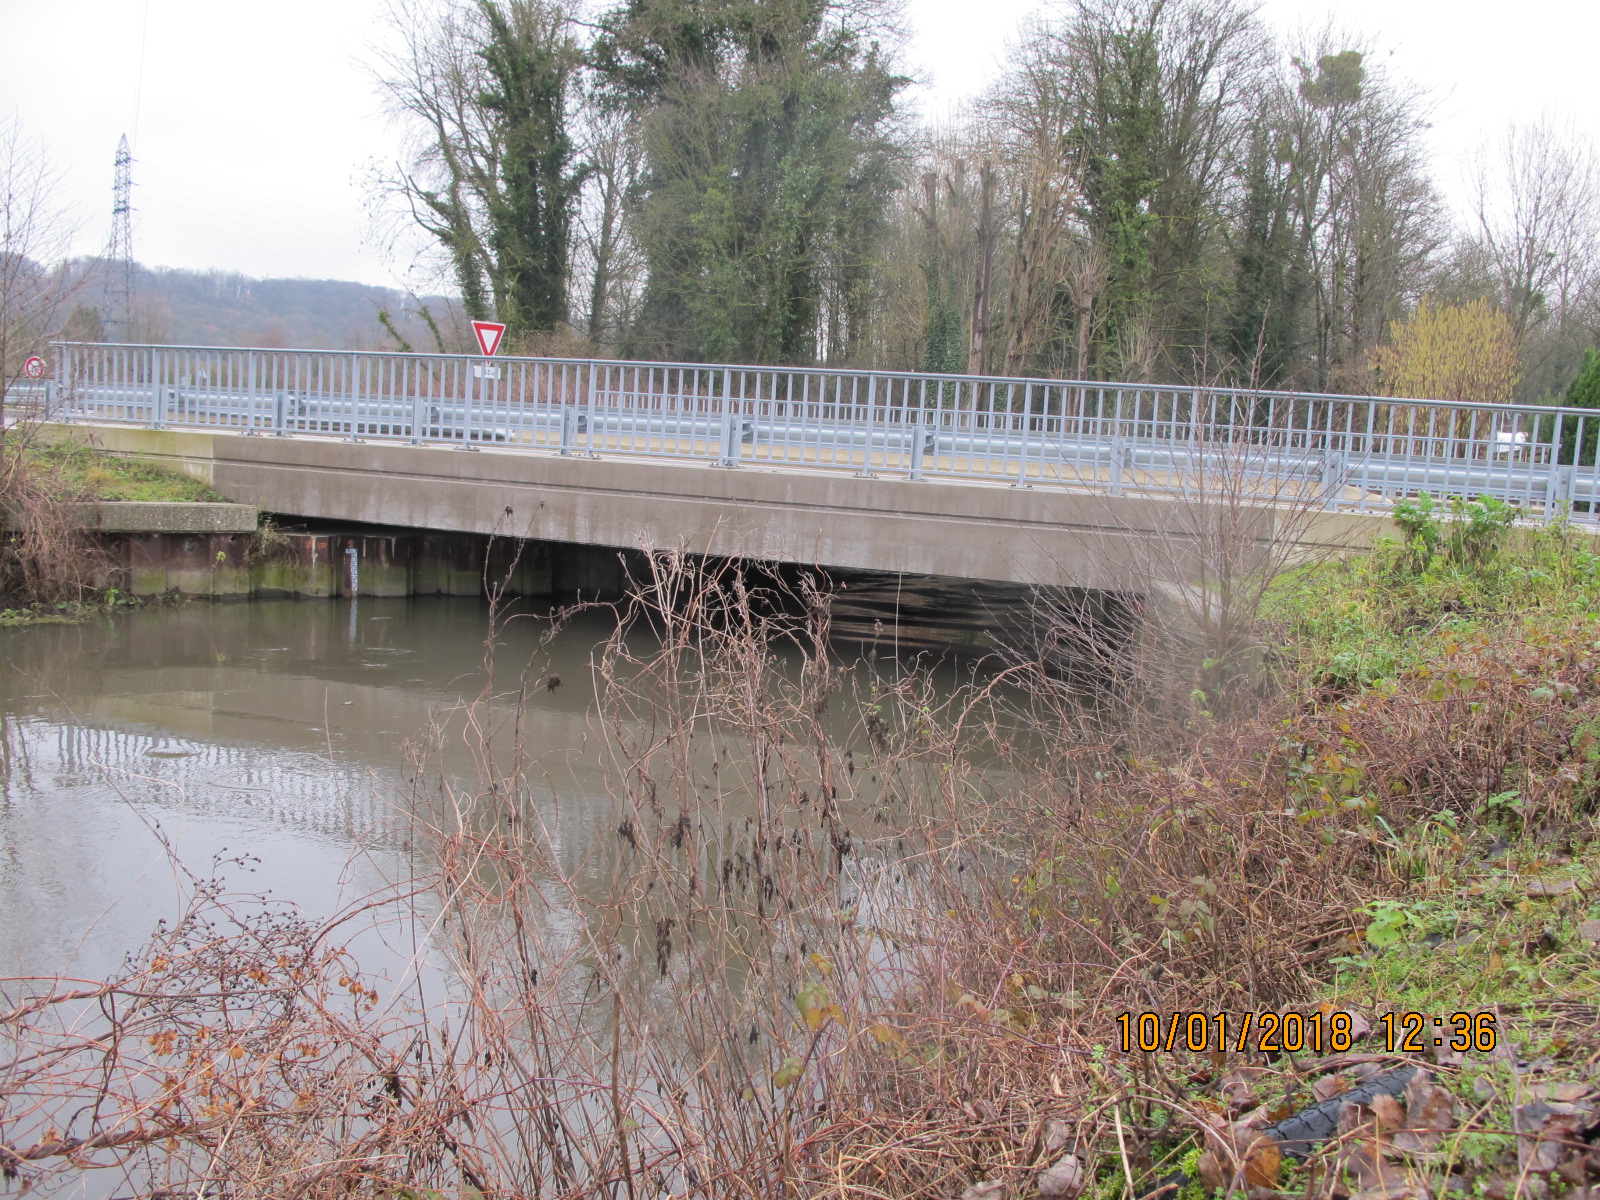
(489,335)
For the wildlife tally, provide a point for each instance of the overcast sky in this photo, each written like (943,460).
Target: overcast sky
(255,126)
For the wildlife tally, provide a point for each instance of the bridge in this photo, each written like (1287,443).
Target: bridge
(1036,481)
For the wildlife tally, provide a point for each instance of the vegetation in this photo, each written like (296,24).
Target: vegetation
(80,472)
(887,956)
(1151,189)
(768,158)
(50,569)
(1450,352)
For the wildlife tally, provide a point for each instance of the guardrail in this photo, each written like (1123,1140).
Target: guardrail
(1346,452)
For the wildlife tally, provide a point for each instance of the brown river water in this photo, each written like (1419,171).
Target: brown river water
(267,737)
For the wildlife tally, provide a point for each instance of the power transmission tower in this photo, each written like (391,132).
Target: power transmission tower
(119,284)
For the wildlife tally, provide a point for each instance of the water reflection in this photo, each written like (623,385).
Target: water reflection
(272,730)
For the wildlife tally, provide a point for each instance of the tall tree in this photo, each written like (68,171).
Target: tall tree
(1366,218)
(1259,325)
(483,86)
(1535,243)
(770,154)
(1137,113)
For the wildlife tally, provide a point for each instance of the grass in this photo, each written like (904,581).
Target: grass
(96,475)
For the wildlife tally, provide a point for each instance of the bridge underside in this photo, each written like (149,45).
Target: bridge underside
(1044,536)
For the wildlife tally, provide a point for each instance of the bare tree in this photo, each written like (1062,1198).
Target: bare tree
(604,250)
(1367,217)
(1536,242)
(37,281)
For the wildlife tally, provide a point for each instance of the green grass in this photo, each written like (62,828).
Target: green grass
(95,475)
(1353,623)
(1504,931)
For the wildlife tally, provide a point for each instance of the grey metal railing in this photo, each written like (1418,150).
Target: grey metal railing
(1346,452)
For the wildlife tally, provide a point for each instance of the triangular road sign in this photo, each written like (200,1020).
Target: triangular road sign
(489,335)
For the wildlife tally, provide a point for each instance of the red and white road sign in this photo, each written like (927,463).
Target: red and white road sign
(489,335)
(34,368)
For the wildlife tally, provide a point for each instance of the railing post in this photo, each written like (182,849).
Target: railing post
(416,406)
(1119,448)
(1333,474)
(159,415)
(569,427)
(250,396)
(1558,486)
(919,438)
(355,404)
(1027,408)
(866,456)
(474,371)
(588,425)
(731,434)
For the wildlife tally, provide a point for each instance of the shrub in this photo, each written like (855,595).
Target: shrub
(1583,393)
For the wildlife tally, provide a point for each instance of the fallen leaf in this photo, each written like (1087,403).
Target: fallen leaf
(1568,1092)
(1234,1088)
(1260,1155)
(1430,1110)
(1353,1118)
(1390,1115)
(1550,1124)
(1330,1086)
(1545,889)
(1055,1137)
(1394,1191)
(989,1189)
(1365,1163)
(1209,1167)
(1263,1162)
(1064,1179)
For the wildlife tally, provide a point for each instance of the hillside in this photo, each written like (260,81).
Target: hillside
(221,308)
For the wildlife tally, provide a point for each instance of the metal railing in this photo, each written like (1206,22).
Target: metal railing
(1346,452)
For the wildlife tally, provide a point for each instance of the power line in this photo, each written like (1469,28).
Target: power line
(138,91)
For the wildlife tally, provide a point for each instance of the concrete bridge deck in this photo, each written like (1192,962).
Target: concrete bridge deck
(1048,536)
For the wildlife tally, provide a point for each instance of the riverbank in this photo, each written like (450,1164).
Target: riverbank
(886,953)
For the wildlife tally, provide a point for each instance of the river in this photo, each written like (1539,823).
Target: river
(267,736)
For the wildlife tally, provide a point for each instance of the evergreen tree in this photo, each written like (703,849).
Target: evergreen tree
(1260,323)
(1584,392)
(494,179)
(770,157)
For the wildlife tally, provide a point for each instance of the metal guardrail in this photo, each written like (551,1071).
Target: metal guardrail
(1352,453)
